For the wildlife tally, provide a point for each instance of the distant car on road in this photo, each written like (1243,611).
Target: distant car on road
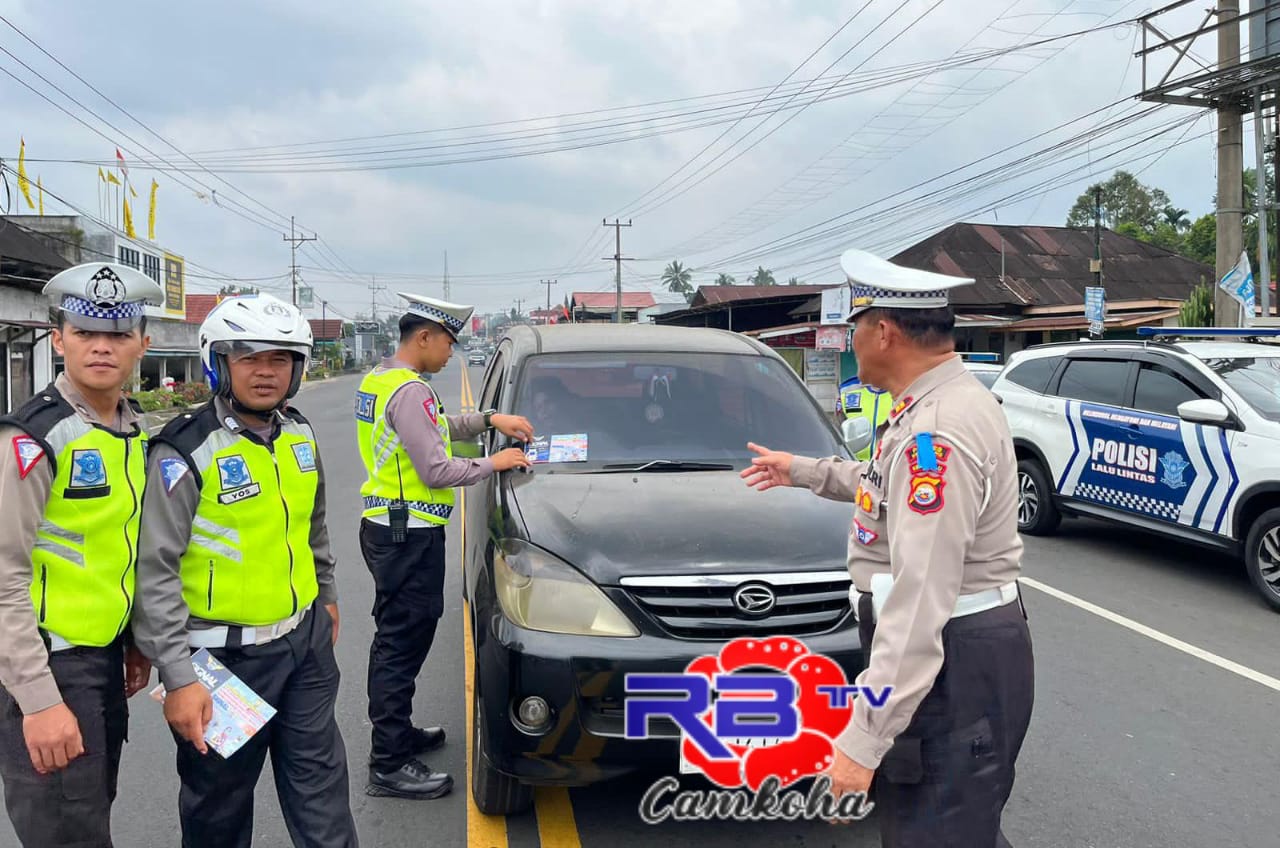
(633,545)
(476,357)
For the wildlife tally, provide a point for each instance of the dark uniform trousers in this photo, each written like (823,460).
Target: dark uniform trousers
(298,675)
(408,580)
(70,808)
(945,781)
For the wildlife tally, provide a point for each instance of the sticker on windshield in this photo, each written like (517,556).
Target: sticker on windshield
(561,448)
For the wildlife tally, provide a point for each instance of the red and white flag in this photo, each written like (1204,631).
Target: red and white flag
(124,169)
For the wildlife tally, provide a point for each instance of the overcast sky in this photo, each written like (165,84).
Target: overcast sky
(233,75)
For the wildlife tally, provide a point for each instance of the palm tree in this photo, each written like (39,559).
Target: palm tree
(677,278)
(724,279)
(762,277)
(793,282)
(1177,218)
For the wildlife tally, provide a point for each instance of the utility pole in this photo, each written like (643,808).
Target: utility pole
(617,259)
(549,284)
(294,240)
(1260,156)
(519,300)
(1097,239)
(446,276)
(374,288)
(1230,169)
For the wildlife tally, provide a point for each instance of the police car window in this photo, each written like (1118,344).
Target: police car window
(1095,381)
(1161,390)
(1256,379)
(1034,374)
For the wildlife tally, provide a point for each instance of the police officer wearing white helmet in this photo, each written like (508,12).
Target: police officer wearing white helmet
(72,465)
(235,559)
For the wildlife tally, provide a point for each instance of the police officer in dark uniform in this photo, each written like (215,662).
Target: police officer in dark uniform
(72,470)
(935,555)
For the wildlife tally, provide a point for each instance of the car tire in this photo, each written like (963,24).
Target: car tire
(1262,556)
(495,793)
(1038,515)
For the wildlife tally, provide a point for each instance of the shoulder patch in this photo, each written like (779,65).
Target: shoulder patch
(925,496)
(900,406)
(365,404)
(27,451)
(926,455)
(429,405)
(172,470)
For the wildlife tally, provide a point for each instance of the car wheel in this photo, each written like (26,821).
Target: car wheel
(1262,556)
(495,793)
(1037,513)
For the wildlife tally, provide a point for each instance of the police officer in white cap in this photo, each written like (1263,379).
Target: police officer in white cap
(935,555)
(405,440)
(72,466)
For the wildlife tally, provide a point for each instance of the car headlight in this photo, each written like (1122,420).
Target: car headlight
(540,592)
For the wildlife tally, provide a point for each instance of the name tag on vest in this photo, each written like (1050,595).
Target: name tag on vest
(240,494)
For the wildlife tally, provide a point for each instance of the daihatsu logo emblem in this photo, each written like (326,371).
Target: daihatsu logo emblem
(754,599)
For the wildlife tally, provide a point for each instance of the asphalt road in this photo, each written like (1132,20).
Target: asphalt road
(1140,736)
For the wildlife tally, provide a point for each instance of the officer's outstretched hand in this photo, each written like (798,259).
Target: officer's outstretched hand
(189,709)
(771,468)
(515,426)
(53,738)
(505,460)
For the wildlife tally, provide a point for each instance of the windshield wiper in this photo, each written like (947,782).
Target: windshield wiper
(669,465)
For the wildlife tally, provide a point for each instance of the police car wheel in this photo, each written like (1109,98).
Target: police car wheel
(1262,556)
(1037,513)
(495,793)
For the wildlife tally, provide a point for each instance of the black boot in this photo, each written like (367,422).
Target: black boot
(426,739)
(414,780)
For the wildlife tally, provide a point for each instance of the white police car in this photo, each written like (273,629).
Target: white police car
(1179,435)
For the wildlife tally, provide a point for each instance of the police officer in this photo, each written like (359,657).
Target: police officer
(405,440)
(934,555)
(235,559)
(71,480)
(858,400)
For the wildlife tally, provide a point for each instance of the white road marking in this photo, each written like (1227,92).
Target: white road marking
(1151,633)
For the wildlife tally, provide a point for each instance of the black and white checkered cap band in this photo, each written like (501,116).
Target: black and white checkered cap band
(124,311)
(892,299)
(454,325)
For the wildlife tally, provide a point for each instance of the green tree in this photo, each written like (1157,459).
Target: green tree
(1176,218)
(794,282)
(762,277)
(1197,309)
(723,279)
(677,278)
(1124,200)
(1201,240)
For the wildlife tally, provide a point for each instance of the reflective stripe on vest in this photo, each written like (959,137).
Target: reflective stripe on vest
(249,559)
(390,472)
(86,546)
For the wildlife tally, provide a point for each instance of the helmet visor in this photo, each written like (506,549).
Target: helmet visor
(239,349)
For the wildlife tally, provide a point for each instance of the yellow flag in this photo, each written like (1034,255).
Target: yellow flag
(101,175)
(24,185)
(131,191)
(151,214)
(128,220)
(111,178)
(40,188)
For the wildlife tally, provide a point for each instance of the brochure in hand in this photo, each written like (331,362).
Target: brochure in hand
(570,447)
(238,711)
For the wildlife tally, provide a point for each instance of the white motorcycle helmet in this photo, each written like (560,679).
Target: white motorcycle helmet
(251,324)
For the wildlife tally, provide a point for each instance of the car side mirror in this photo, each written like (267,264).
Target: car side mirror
(857,433)
(1205,411)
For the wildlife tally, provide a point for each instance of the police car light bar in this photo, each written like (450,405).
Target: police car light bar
(980,357)
(1211,332)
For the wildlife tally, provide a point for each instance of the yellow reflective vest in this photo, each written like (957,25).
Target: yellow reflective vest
(390,472)
(86,548)
(872,404)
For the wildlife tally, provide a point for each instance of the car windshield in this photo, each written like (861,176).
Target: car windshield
(1256,379)
(666,411)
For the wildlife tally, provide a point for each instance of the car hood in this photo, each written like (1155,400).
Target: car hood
(662,523)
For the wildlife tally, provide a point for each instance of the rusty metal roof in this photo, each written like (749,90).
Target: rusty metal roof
(609,300)
(1049,266)
(707,295)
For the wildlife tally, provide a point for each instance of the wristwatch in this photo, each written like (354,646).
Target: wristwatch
(488,418)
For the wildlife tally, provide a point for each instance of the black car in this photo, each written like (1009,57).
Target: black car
(637,547)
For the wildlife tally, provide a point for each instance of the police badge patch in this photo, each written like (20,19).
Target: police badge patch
(306,456)
(87,470)
(27,452)
(172,470)
(864,536)
(429,406)
(232,472)
(926,493)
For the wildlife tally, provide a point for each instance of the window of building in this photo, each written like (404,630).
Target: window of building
(1095,381)
(129,256)
(151,266)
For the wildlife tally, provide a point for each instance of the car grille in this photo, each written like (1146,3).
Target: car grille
(704,607)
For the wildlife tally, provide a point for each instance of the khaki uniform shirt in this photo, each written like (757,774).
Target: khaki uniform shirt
(941,532)
(24,661)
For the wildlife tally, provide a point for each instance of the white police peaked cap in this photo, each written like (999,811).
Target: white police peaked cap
(878,283)
(452,316)
(104,297)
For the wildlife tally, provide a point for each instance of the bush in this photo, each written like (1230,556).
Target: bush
(153,401)
(191,394)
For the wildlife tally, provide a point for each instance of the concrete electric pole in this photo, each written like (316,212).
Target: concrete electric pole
(549,284)
(294,240)
(617,258)
(1226,311)
(374,288)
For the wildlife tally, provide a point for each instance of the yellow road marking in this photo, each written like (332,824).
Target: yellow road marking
(482,831)
(556,825)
